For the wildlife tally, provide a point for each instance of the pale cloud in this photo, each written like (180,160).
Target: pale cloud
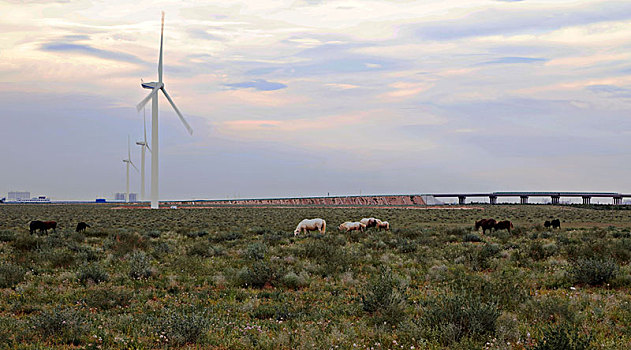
(340,81)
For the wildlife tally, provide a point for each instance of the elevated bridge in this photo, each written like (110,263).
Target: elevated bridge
(524,196)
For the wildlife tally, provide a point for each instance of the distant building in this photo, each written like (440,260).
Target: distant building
(120,196)
(16,196)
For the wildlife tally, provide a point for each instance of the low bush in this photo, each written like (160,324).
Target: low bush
(108,298)
(256,251)
(294,281)
(385,298)
(61,324)
(472,237)
(92,272)
(11,275)
(594,272)
(181,326)
(7,236)
(256,275)
(140,265)
(25,242)
(123,243)
(204,249)
(450,318)
(562,336)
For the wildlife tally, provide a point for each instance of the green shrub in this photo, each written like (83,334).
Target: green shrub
(472,237)
(7,236)
(11,275)
(256,251)
(279,312)
(140,265)
(293,281)
(257,275)
(385,298)
(226,236)
(204,249)
(181,326)
(92,272)
(123,243)
(451,318)
(594,272)
(108,298)
(562,336)
(61,258)
(62,324)
(26,242)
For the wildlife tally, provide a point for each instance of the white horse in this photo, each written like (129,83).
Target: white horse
(310,225)
(369,222)
(383,224)
(352,226)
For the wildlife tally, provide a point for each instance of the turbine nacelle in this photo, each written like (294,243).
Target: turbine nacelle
(152,85)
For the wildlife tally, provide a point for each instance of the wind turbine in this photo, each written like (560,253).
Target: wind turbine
(144,145)
(153,95)
(127,162)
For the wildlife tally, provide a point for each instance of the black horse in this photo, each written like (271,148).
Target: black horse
(556,223)
(36,225)
(486,224)
(82,226)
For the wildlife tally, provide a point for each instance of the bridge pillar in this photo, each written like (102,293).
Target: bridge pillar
(523,199)
(493,199)
(617,200)
(586,199)
(461,199)
(556,199)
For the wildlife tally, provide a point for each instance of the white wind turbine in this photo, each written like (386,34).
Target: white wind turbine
(128,162)
(144,146)
(155,87)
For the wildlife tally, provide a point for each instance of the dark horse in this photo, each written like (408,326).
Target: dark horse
(82,226)
(42,226)
(556,223)
(36,225)
(486,224)
(504,225)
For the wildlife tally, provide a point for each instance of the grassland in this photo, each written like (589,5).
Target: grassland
(238,278)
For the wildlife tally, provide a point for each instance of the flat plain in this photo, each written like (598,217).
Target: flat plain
(237,278)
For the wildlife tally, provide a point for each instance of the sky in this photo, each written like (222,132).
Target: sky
(316,97)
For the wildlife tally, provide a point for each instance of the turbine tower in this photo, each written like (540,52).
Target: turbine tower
(127,162)
(143,146)
(153,95)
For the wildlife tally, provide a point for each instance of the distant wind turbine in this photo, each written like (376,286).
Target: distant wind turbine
(155,87)
(128,162)
(144,146)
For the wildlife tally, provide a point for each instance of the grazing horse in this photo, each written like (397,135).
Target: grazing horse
(383,224)
(486,224)
(547,224)
(503,225)
(82,226)
(556,223)
(369,222)
(36,225)
(352,226)
(310,225)
(50,225)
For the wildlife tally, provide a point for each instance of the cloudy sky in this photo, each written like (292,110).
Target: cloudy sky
(309,97)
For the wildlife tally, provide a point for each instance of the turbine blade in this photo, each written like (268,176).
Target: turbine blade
(179,114)
(132,164)
(146,99)
(160,60)
(128,149)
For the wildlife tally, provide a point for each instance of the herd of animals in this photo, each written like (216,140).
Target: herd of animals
(361,225)
(320,225)
(44,226)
